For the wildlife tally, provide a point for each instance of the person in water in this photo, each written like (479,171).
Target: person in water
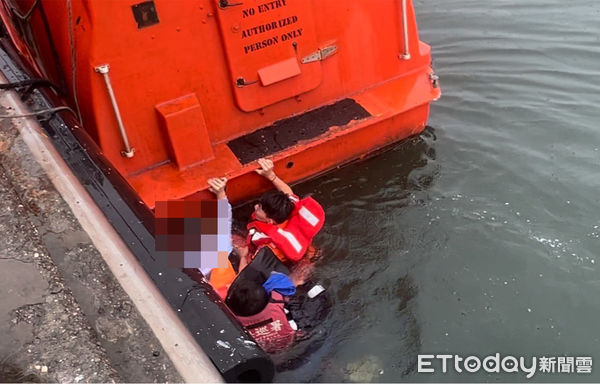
(221,278)
(256,294)
(256,286)
(266,302)
(256,297)
(282,221)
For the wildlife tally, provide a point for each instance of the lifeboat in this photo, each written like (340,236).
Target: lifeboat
(174,93)
(163,95)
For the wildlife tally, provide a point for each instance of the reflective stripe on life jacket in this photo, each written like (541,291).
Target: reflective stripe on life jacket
(295,235)
(270,327)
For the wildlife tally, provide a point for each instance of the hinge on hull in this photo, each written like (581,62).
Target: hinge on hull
(321,54)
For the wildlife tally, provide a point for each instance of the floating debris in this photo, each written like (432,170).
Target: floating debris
(223,344)
(365,370)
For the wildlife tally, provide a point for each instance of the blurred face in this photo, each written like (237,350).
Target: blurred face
(261,215)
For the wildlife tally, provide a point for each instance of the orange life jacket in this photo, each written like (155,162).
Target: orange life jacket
(221,279)
(294,236)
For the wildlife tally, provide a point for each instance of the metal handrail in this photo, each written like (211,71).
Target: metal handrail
(103,70)
(405,55)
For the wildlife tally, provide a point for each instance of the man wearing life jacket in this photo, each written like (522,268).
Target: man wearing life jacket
(282,221)
(256,297)
(268,304)
(255,287)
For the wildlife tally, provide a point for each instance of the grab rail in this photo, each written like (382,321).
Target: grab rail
(103,70)
(405,55)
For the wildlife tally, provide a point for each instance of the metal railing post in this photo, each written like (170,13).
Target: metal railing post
(103,70)
(405,55)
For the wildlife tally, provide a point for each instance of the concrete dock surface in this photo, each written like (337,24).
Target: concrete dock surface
(63,315)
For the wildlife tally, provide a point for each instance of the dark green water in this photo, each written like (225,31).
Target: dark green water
(482,235)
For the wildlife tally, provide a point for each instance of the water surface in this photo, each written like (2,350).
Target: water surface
(481,235)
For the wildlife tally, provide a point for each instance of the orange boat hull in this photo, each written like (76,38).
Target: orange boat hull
(193,79)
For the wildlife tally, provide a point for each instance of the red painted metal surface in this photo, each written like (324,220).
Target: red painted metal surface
(203,75)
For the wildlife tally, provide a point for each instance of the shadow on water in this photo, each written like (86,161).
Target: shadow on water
(366,265)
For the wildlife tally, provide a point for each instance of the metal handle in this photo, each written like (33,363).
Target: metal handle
(103,70)
(405,55)
(225,3)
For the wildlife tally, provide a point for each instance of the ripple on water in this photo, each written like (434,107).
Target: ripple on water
(492,216)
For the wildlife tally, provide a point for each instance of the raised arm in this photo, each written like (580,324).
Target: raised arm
(266,171)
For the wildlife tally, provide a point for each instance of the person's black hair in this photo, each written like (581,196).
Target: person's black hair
(277,205)
(246,296)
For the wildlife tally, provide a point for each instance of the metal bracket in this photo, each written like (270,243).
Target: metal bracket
(405,54)
(320,55)
(435,80)
(103,70)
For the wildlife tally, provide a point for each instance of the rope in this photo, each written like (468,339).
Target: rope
(73,66)
(40,112)
(32,83)
(26,15)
